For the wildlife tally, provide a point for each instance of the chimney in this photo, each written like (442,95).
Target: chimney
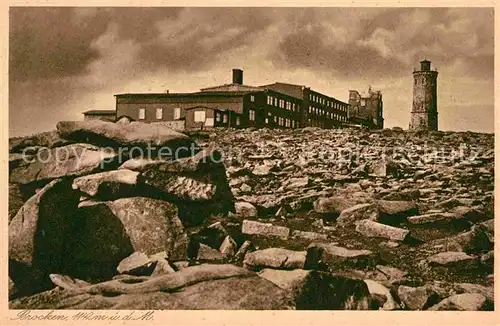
(238,76)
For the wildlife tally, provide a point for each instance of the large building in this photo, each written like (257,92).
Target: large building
(424,115)
(366,109)
(237,105)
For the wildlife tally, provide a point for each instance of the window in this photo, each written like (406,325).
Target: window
(199,116)
(275,119)
(275,101)
(224,118)
(217,116)
(159,113)
(267,120)
(142,114)
(252,98)
(293,106)
(269,100)
(251,115)
(237,121)
(177,113)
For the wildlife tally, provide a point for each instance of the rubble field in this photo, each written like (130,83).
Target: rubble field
(253,219)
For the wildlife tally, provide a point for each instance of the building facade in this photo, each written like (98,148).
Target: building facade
(366,109)
(318,110)
(424,114)
(236,105)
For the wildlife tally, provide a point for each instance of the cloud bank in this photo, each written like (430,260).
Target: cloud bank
(64,61)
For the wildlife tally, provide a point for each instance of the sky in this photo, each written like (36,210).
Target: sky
(63,61)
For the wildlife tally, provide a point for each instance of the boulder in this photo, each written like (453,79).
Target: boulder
(108,232)
(67,161)
(206,287)
(432,218)
(383,168)
(206,253)
(417,298)
(392,273)
(450,258)
(377,289)
(48,139)
(140,135)
(137,263)
(107,185)
(332,205)
(245,209)
(68,282)
(403,195)
(184,187)
(264,229)
(285,279)
(198,185)
(275,258)
(246,247)
(475,241)
(228,247)
(16,200)
(306,235)
(487,291)
(140,164)
(296,183)
(377,230)
(162,267)
(464,302)
(330,256)
(12,289)
(390,209)
(38,232)
(356,213)
(315,290)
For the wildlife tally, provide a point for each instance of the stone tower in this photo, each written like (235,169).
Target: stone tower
(424,115)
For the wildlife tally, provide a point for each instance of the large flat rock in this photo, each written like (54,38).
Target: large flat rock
(136,134)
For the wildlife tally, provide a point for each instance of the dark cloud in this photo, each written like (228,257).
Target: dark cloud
(50,42)
(195,40)
(406,35)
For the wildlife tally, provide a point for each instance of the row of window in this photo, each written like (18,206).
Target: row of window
(330,115)
(323,101)
(320,111)
(281,103)
(159,113)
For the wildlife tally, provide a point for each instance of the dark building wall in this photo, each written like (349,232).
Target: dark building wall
(324,111)
(130,106)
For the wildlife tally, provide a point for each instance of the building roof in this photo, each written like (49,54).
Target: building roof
(195,94)
(292,90)
(231,88)
(96,112)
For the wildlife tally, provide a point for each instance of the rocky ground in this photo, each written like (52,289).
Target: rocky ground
(286,219)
